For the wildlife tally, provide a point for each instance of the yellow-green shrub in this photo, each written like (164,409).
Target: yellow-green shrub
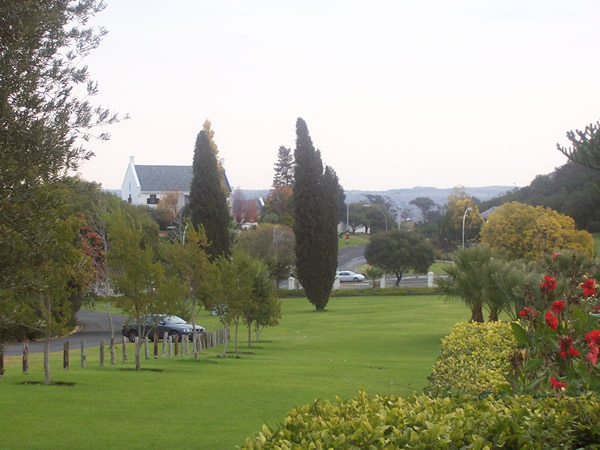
(474,358)
(420,421)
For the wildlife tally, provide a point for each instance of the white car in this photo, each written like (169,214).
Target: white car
(346,275)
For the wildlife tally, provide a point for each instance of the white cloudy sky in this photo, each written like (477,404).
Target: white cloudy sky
(395,93)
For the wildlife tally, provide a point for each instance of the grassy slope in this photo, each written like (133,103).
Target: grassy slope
(379,344)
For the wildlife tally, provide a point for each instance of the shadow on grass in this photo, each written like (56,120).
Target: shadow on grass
(198,361)
(52,383)
(142,369)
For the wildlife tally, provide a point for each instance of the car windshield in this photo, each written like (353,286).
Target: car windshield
(173,320)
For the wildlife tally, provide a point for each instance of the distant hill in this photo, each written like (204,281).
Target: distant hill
(402,197)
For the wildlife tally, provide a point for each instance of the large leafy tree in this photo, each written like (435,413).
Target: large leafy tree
(398,251)
(523,231)
(188,260)
(273,245)
(43,124)
(451,227)
(316,212)
(136,274)
(208,201)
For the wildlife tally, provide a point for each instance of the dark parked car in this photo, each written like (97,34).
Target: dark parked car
(165,323)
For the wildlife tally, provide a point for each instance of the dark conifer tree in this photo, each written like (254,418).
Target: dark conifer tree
(208,202)
(284,168)
(316,207)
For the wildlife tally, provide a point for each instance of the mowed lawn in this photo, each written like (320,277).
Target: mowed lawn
(378,344)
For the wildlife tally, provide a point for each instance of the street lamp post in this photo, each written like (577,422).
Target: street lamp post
(463,227)
(380,209)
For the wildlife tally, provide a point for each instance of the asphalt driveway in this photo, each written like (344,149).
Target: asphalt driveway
(93,327)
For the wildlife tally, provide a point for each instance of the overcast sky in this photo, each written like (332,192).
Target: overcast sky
(395,94)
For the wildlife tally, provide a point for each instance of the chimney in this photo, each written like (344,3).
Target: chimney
(132,160)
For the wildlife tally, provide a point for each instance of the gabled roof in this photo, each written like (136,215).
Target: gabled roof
(164,178)
(167,178)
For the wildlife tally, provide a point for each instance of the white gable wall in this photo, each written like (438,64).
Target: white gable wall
(131,185)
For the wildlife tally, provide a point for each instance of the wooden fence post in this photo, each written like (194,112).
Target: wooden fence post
(83,357)
(176,345)
(146,349)
(66,355)
(113,352)
(26,358)
(170,342)
(184,344)
(101,352)
(124,345)
(164,347)
(156,345)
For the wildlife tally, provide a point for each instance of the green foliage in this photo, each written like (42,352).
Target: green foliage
(208,200)
(421,421)
(316,211)
(398,251)
(284,168)
(570,189)
(273,245)
(585,148)
(44,124)
(474,358)
(451,226)
(522,231)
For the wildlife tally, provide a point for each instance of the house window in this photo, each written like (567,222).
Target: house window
(152,200)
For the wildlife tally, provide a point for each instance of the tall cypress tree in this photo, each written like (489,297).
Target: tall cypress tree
(316,206)
(208,202)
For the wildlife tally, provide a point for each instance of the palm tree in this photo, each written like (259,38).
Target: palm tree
(468,278)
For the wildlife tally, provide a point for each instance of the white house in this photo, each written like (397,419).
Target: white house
(147,184)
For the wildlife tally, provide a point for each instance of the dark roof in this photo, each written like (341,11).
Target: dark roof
(167,178)
(164,178)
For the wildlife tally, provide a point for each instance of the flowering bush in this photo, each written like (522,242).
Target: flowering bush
(559,344)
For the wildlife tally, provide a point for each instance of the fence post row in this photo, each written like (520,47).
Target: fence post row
(204,341)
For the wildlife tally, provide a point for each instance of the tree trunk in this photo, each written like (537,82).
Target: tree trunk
(110,322)
(237,323)
(195,335)
(2,360)
(493,317)
(477,314)
(249,335)
(47,313)
(138,345)
(398,278)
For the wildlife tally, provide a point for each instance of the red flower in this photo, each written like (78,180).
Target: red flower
(593,337)
(593,355)
(596,308)
(549,284)
(551,320)
(527,312)
(558,306)
(566,347)
(555,255)
(557,384)
(588,287)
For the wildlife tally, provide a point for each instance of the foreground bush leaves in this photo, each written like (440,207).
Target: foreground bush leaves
(421,421)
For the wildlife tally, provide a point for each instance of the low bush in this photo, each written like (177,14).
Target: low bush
(474,358)
(392,291)
(421,421)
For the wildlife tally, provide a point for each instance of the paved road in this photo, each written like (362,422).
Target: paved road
(351,258)
(94,327)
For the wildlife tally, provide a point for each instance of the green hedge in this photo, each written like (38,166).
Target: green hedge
(421,421)
(362,292)
(474,358)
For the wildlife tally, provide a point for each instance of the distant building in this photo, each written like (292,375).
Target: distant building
(147,184)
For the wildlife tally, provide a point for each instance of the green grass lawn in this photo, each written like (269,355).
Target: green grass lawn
(379,344)
(355,239)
